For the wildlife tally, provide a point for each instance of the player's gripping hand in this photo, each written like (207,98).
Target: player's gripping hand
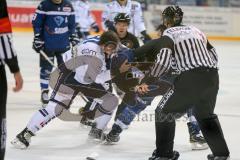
(95,27)
(38,43)
(74,40)
(145,37)
(109,25)
(142,88)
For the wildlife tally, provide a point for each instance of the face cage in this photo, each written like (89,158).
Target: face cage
(116,48)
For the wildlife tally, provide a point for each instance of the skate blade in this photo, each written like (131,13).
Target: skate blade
(198,146)
(109,143)
(17,144)
(96,140)
(83,126)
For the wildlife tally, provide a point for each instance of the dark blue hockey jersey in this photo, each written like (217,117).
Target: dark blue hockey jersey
(55,23)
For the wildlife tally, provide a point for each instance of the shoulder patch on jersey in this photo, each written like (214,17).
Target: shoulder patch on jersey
(67,9)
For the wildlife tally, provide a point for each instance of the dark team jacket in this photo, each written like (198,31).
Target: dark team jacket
(6,30)
(55,23)
(130,41)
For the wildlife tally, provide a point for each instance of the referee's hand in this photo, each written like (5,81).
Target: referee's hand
(18,82)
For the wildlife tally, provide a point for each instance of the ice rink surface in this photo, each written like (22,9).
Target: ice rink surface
(68,141)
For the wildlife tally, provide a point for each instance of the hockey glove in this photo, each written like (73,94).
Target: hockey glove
(109,25)
(38,43)
(78,31)
(95,27)
(145,37)
(74,40)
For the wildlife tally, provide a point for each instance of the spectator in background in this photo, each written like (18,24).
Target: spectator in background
(8,56)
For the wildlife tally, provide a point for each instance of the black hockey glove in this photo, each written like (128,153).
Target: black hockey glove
(145,37)
(109,25)
(74,40)
(78,31)
(95,27)
(38,43)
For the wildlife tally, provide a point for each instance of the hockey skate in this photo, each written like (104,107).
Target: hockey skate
(85,122)
(112,137)
(44,97)
(23,139)
(196,140)
(96,134)
(212,157)
(155,157)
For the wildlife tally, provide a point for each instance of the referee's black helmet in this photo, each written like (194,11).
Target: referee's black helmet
(173,15)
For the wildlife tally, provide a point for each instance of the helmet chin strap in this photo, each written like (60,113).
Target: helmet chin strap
(57,1)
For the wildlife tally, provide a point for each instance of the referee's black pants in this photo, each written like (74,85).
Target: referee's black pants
(3,99)
(199,88)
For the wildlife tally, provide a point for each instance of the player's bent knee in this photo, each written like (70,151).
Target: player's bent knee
(53,109)
(110,102)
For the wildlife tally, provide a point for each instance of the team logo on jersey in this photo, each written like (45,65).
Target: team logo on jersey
(127,43)
(67,9)
(58,20)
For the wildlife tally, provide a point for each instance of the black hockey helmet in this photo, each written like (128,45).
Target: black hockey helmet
(122,17)
(173,14)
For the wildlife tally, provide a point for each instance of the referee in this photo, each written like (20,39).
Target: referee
(188,49)
(8,56)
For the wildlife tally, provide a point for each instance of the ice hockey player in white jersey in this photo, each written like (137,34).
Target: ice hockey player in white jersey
(85,21)
(85,74)
(133,9)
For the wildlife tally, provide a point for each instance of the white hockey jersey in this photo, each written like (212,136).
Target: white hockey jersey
(89,63)
(83,15)
(132,8)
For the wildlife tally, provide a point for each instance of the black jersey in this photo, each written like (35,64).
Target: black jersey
(130,41)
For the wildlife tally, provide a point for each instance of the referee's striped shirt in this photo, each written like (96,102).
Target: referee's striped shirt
(188,49)
(7,52)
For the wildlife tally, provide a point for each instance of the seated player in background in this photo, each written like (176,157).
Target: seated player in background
(85,74)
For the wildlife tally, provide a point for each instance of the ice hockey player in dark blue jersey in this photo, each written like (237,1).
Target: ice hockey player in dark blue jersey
(54,31)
